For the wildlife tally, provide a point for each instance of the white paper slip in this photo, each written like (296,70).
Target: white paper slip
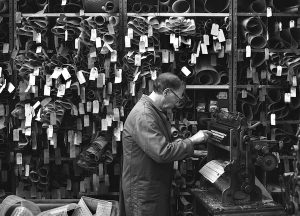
(213,170)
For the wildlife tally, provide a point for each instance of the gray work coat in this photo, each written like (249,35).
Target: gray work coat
(148,155)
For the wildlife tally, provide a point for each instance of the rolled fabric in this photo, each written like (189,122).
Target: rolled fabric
(3,6)
(281,110)
(174,132)
(96,6)
(295,101)
(186,134)
(181,6)
(215,6)
(182,128)
(91,95)
(258,6)
(100,20)
(274,95)
(136,7)
(286,6)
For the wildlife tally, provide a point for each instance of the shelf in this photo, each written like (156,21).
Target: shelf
(179,14)
(67,14)
(273,14)
(207,86)
(278,122)
(97,194)
(261,86)
(272,50)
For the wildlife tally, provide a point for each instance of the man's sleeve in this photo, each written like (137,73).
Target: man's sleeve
(151,139)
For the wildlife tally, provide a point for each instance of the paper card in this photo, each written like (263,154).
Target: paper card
(93,73)
(16,136)
(101,80)
(77,42)
(66,74)
(228,46)
(142,47)
(98,42)
(86,121)
(221,53)
(136,76)
(206,39)
(88,106)
(47,90)
(279,70)
(165,56)
(66,35)
(138,60)
(81,77)
(172,38)
(81,109)
(19,159)
(293,92)
(109,120)
(193,58)
(221,36)
(38,49)
(116,116)
(31,79)
(176,43)
(6,48)
(150,31)
(118,76)
(185,71)
(294,81)
(96,107)
(63,2)
(82,94)
(38,38)
(292,23)
(93,34)
(267,54)
(248,51)
(56,73)
(273,119)
(110,28)
(114,56)
(269,11)
(61,90)
(204,49)
(214,29)
(153,74)
(104,125)
(10,87)
(130,33)
(287,97)
(280,26)
(127,42)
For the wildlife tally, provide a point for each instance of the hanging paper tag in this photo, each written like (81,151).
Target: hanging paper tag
(104,125)
(63,2)
(294,81)
(93,34)
(221,36)
(10,87)
(214,29)
(137,60)
(66,74)
(93,74)
(118,76)
(98,42)
(287,97)
(172,38)
(269,12)
(248,51)
(38,38)
(19,159)
(81,77)
(110,28)
(66,35)
(267,54)
(292,23)
(280,26)
(77,43)
(150,31)
(130,33)
(185,71)
(114,56)
(206,39)
(204,49)
(127,42)
(39,49)
(273,119)
(165,56)
(293,92)
(279,70)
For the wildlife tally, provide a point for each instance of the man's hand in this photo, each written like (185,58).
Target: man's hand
(200,136)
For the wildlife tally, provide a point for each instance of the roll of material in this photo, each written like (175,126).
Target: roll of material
(108,38)
(146,8)
(21,211)
(186,134)
(205,74)
(136,7)
(41,3)
(224,78)
(288,40)
(257,59)
(3,6)
(258,6)
(165,9)
(253,26)
(286,6)
(43,171)
(215,6)
(182,128)
(257,41)
(174,132)
(164,2)
(94,6)
(100,20)
(181,6)
(34,176)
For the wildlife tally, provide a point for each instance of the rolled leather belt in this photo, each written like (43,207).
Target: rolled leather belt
(164,2)
(174,132)
(247,110)
(21,211)
(215,6)
(94,6)
(257,59)
(165,8)
(181,6)
(41,3)
(136,7)
(288,40)
(257,41)
(258,6)
(224,78)
(206,74)
(146,8)
(281,110)
(3,6)
(253,26)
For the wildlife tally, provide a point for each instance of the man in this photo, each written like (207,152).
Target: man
(148,151)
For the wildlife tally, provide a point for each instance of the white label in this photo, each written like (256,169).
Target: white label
(38,49)
(66,74)
(248,51)
(279,70)
(80,77)
(206,39)
(47,90)
(273,119)
(204,49)
(172,38)
(63,2)
(127,42)
(10,87)
(221,36)
(287,97)
(103,208)
(292,23)
(93,74)
(193,58)
(294,81)
(293,92)
(214,29)
(77,43)
(98,42)
(118,76)
(93,34)
(185,71)
(130,33)
(269,12)
(66,35)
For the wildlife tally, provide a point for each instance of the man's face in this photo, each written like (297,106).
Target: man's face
(172,98)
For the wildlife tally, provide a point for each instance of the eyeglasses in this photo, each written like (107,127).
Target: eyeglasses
(179,99)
